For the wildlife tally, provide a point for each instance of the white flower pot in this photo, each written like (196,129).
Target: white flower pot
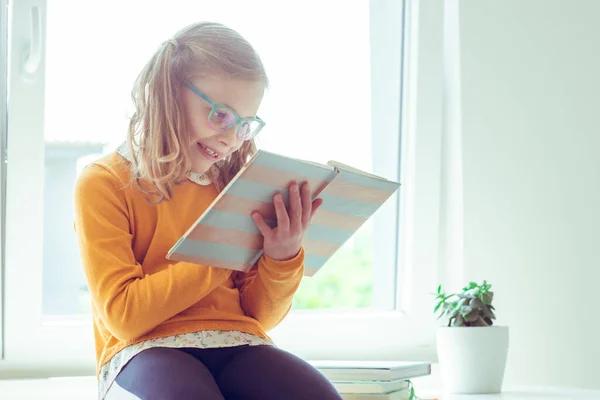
(472,360)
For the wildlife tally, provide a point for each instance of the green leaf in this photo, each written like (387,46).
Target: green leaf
(476,303)
(437,307)
(411,391)
(453,313)
(472,285)
(487,297)
(458,321)
(439,289)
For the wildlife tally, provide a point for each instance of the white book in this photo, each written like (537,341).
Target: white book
(400,395)
(375,387)
(337,371)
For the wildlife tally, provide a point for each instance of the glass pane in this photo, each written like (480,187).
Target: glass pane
(92,64)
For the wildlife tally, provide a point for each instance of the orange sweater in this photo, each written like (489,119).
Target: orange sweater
(138,294)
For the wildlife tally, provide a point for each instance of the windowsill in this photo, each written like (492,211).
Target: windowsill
(46,369)
(431,387)
(84,386)
(427,388)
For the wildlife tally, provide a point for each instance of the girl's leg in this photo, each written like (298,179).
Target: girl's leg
(164,374)
(267,373)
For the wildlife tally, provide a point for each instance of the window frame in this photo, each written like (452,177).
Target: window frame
(406,332)
(3,136)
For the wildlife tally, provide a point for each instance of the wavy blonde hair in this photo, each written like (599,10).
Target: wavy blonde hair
(158,136)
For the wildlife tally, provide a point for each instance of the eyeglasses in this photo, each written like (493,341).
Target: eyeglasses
(222,118)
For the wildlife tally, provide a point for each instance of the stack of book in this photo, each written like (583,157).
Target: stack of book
(359,380)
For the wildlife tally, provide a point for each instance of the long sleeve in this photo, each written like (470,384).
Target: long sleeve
(267,291)
(129,302)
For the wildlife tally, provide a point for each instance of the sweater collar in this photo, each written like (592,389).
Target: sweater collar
(200,179)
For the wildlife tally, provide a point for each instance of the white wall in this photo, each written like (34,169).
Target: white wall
(530,134)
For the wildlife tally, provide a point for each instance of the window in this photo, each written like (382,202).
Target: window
(337,83)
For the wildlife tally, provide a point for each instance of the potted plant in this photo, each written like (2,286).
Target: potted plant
(471,350)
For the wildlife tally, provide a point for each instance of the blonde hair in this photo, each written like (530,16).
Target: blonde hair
(158,135)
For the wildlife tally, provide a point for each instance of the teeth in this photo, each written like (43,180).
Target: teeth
(209,150)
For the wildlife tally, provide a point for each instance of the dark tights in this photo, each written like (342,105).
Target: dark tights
(231,373)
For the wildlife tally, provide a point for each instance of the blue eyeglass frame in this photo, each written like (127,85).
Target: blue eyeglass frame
(238,120)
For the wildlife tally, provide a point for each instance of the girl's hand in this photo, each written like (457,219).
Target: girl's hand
(284,241)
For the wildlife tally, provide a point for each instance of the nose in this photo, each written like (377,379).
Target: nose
(229,137)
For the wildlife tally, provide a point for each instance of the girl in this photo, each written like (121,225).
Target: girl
(175,330)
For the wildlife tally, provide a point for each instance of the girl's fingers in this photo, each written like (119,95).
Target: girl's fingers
(262,226)
(295,207)
(306,205)
(315,206)
(283,220)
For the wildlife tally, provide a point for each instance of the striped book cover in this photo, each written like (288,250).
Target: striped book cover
(226,236)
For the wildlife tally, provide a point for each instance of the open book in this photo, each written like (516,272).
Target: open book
(226,236)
